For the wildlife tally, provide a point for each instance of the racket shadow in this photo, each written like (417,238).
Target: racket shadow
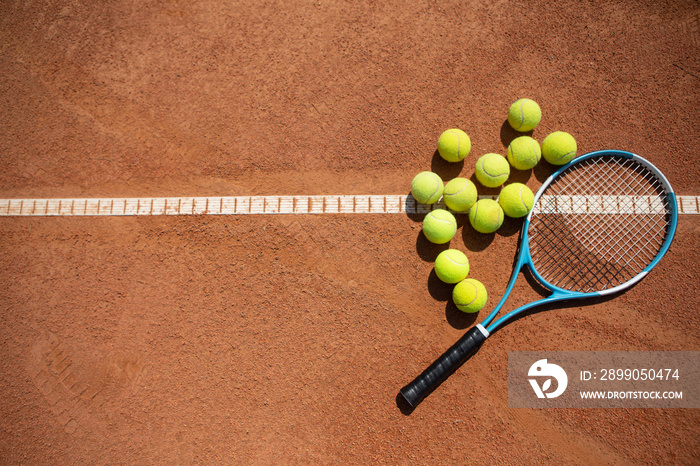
(565,304)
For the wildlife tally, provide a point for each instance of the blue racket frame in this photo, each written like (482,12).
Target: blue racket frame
(524,258)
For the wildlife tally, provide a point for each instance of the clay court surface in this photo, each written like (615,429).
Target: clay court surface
(263,339)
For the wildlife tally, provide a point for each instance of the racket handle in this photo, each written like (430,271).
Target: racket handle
(445,365)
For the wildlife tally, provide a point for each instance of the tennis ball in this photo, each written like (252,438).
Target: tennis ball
(524,115)
(439,226)
(559,148)
(454,145)
(427,187)
(492,170)
(516,200)
(486,216)
(451,266)
(524,153)
(469,295)
(459,194)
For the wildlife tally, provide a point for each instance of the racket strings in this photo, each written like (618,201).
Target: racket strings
(638,238)
(599,224)
(570,265)
(602,244)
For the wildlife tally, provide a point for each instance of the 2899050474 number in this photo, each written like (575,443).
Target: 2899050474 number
(639,374)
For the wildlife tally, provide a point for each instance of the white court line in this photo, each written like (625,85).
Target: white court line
(330,204)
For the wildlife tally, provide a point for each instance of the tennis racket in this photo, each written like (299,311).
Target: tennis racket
(599,225)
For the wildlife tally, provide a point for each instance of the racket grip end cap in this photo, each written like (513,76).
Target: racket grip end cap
(445,365)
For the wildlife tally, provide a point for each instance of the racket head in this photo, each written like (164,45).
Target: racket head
(599,224)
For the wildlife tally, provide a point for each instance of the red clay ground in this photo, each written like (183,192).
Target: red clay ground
(285,339)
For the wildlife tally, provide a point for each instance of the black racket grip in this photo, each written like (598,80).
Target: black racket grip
(445,365)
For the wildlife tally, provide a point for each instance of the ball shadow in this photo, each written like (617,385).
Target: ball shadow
(458,319)
(414,210)
(445,170)
(428,251)
(511,226)
(483,190)
(475,241)
(508,133)
(543,170)
(439,290)
(519,176)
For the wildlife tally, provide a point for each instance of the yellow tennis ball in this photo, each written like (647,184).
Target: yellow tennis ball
(486,216)
(459,194)
(524,115)
(454,145)
(559,148)
(469,295)
(439,226)
(427,187)
(451,266)
(524,153)
(492,170)
(516,200)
